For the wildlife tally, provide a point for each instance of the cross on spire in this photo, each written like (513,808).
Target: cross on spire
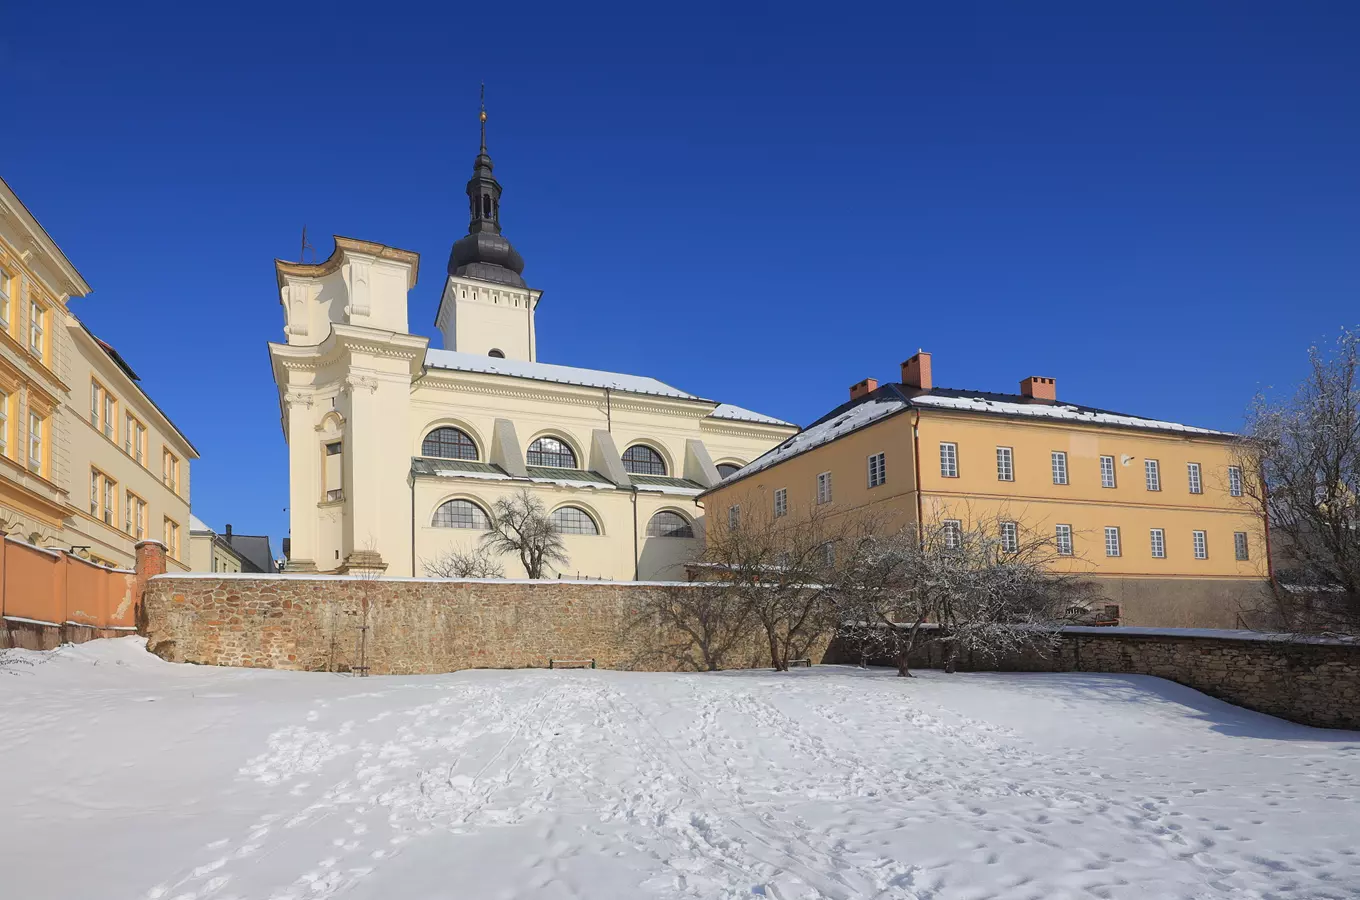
(483,116)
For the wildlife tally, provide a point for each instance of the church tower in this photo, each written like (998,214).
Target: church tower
(486,308)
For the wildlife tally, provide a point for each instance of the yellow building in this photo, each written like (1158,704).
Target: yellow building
(87,459)
(1152,510)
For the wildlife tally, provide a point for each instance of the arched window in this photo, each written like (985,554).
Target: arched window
(486,206)
(448,443)
(549,451)
(496,354)
(460,514)
(669,524)
(640,459)
(573,520)
(726,469)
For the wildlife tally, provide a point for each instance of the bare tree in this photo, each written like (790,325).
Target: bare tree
(778,569)
(715,622)
(1300,465)
(982,585)
(474,563)
(520,524)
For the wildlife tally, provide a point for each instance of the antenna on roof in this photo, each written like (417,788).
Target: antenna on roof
(302,255)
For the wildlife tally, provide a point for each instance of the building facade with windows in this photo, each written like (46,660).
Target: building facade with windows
(1152,510)
(87,459)
(398,452)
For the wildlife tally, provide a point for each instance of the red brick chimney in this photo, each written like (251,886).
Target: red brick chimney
(1039,389)
(916,371)
(864,387)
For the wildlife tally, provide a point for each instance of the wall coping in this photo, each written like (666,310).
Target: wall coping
(352,579)
(1219,634)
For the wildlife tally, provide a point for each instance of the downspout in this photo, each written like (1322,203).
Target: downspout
(636,560)
(608,411)
(916,461)
(413,525)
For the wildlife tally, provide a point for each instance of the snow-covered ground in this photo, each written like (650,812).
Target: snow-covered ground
(128,777)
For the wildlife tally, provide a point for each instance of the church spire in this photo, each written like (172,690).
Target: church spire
(483,253)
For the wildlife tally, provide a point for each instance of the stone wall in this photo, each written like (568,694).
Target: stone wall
(409,626)
(1311,681)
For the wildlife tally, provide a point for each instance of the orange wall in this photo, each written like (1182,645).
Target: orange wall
(52,587)
(1032,499)
(1035,501)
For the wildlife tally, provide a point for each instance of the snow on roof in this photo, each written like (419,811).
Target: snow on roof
(729,411)
(822,433)
(196,524)
(517,368)
(1056,411)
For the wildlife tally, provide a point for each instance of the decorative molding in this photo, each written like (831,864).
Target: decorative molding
(360,381)
(293,398)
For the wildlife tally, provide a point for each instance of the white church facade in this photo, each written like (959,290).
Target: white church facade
(397,451)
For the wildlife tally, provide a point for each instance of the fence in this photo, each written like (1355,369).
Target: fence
(50,597)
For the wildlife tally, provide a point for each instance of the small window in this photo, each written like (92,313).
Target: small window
(1152,474)
(449,443)
(334,448)
(1158,543)
(1111,541)
(1005,464)
(552,452)
(1059,467)
(460,514)
(496,354)
(640,459)
(172,538)
(824,488)
(1010,537)
(952,533)
(96,402)
(335,495)
(667,524)
(170,470)
(949,460)
(781,502)
(727,470)
(110,415)
(6,287)
(36,323)
(573,520)
(134,438)
(1107,471)
(734,517)
(1201,545)
(1240,545)
(878,470)
(1234,481)
(36,424)
(1196,484)
(1063,539)
(134,516)
(828,554)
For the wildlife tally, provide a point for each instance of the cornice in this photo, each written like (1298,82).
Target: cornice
(343,247)
(757,430)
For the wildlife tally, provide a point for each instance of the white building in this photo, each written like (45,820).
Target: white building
(397,451)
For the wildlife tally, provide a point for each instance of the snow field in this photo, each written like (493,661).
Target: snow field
(134,778)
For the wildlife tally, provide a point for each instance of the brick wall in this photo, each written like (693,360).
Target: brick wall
(1313,682)
(412,626)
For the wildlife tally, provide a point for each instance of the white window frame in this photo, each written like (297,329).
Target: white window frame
(1062,536)
(1195,477)
(1157,537)
(36,330)
(1201,543)
(1059,463)
(949,459)
(1107,476)
(4,423)
(823,488)
(878,469)
(1234,481)
(1010,537)
(1005,464)
(35,442)
(1113,546)
(6,291)
(1241,548)
(734,517)
(1152,475)
(96,402)
(781,502)
(953,533)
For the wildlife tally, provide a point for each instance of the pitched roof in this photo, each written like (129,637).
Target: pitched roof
(891,399)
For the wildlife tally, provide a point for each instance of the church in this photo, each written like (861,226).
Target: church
(397,451)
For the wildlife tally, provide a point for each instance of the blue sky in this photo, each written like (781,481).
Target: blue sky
(1159,206)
